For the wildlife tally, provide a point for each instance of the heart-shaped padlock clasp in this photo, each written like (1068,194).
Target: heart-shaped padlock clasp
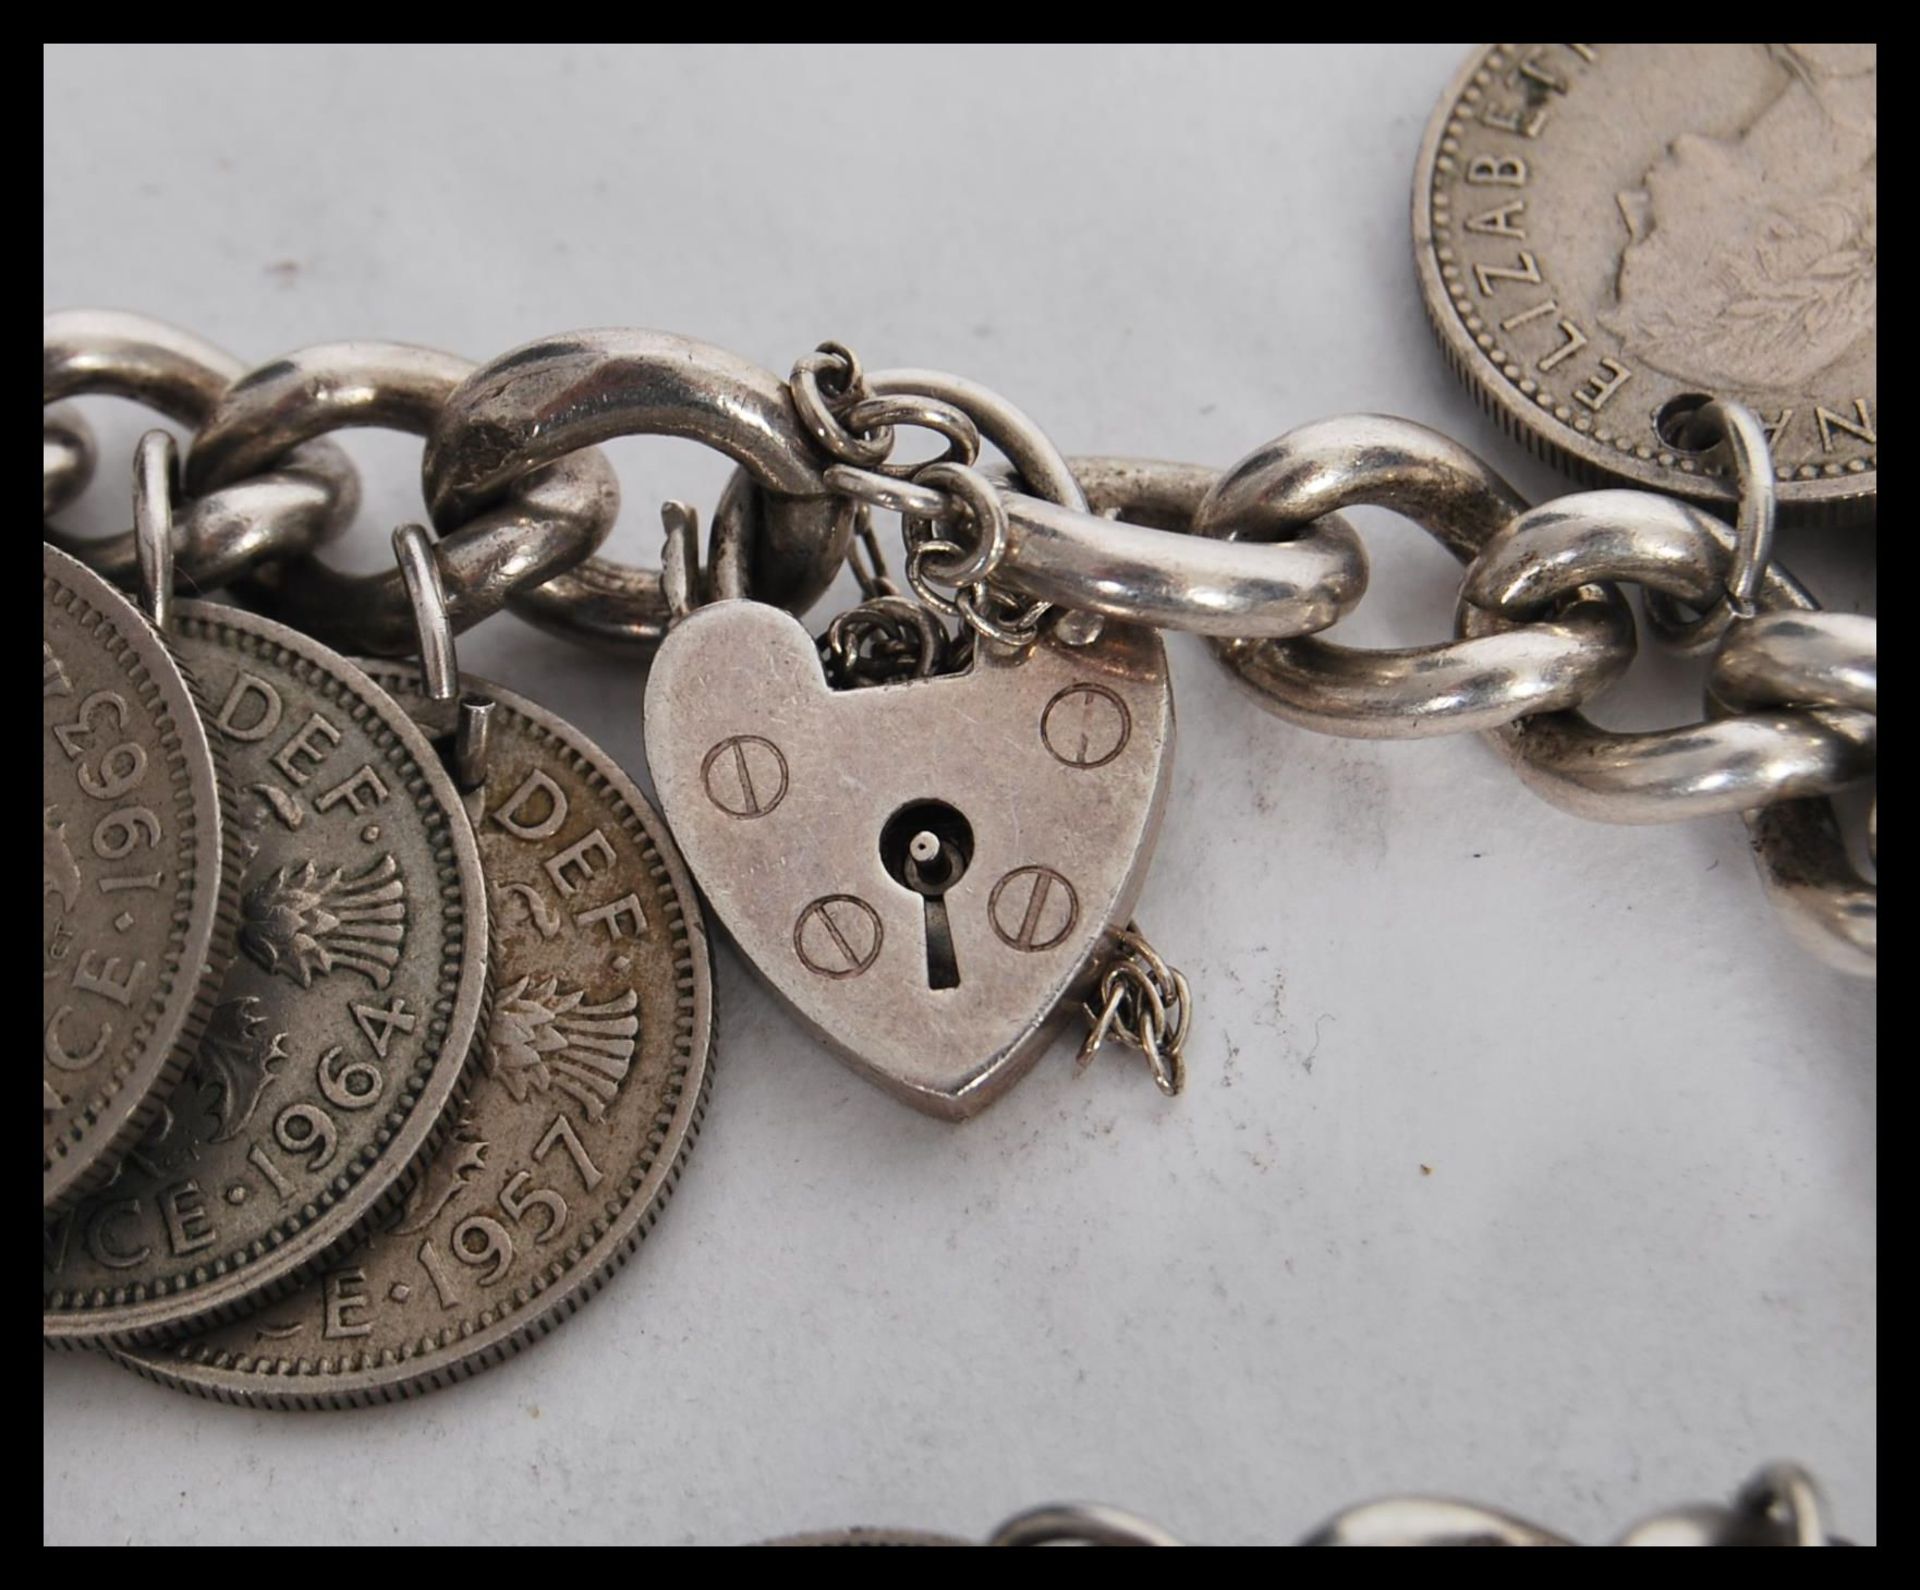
(927,871)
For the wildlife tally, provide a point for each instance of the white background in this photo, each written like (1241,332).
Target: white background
(1523,1158)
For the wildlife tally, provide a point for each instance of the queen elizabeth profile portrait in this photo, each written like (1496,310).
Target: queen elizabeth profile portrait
(1748,261)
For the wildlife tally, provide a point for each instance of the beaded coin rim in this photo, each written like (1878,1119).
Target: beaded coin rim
(237,1284)
(647,1186)
(204,921)
(1838,501)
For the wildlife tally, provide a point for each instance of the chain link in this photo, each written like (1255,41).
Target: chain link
(1779,1506)
(1257,557)
(1145,1004)
(286,508)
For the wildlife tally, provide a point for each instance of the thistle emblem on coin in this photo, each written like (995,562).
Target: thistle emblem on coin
(545,1037)
(239,1060)
(301,921)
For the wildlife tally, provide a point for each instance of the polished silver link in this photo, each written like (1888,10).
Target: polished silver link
(67,458)
(1808,659)
(288,510)
(548,522)
(1732,764)
(536,404)
(1568,656)
(1429,1521)
(1079,1524)
(1779,1506)
(1089,563)
(1786,1498)
(1736,429)
(1064,554)
(1799,659)
(1810,878)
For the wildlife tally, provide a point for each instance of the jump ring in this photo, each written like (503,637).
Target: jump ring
(988,515)
(823,414)
(1739,430)
(874,414)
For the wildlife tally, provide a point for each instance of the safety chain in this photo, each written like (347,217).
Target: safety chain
(1778,1506)
(1145,1004)
(852,422)
(1258,558)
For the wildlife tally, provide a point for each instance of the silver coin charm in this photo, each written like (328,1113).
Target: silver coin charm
(926,869)
(1610,234)
(593,1077)
(137,904)
(343,1026)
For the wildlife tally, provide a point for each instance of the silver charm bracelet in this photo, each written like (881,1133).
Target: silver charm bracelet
(1256,557)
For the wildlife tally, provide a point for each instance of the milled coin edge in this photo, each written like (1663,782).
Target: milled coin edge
(212,917)
(697,1053)
(247,1287)
(1839,503)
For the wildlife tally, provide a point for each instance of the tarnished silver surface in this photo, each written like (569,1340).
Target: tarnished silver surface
(1808,659)
(1027,447)
(1540,630)
(67,456)
(537,404)
(303,500)
(1568,656)
(1047,772)
(342,1028)
(1732,764)
(595,1071)
(1779,1506)
(1147,566)
(1208,587)
(1079,1524)
(1800,659)
(1429,1521)
(139,904)
(547,522)
(1609,234)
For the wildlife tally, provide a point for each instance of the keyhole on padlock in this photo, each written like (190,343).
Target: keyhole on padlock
(926,846)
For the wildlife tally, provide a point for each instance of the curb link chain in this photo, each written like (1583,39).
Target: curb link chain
(1779,1506)
(1258,558)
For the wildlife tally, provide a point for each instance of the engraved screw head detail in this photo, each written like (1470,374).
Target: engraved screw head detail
(745,776)
(838,936)
(1033,908)
(1086,725)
